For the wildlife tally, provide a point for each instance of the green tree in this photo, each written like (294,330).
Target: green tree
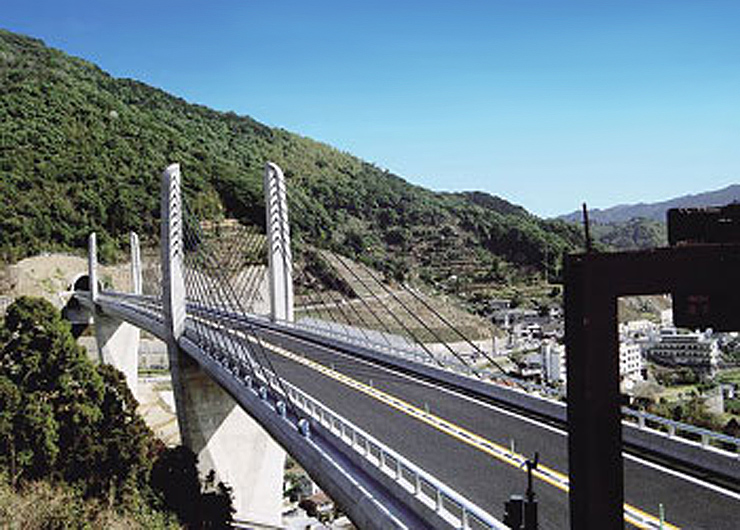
(65,418)
(175,476)
(125,458)
(82,151)
(28,433)
(76,421)
(64,388)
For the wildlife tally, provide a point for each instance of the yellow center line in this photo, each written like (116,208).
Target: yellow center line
(632,514)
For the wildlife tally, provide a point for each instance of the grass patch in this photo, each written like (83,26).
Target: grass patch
(153,372)
(42,505)
(729,376)
(678,393)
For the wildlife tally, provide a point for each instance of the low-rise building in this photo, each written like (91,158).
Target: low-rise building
(499,304)
(633,328)
(698,351)
(553,362)
(530,366)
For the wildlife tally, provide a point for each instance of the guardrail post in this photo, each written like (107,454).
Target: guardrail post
(438,500)
(464,523)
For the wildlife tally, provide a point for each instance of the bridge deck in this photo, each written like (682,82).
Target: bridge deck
(463,464)
(456,438)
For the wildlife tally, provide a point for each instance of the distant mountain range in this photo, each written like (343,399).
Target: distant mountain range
(656,211)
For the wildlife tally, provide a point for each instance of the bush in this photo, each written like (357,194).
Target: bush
(175,478)
(308,506)
(66,420)
(48,506)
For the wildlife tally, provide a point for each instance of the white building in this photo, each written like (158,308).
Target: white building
(552,357)
(698,351)
(553,361)
(666,318)
(630,359)
(636,327)
(630,364)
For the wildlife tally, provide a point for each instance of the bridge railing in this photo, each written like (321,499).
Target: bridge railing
(419,357)
(671,428)
(707,439)
(657,427)
(448,504)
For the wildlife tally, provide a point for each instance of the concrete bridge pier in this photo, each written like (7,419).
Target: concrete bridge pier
(118,341)
(225,438)
(229,442)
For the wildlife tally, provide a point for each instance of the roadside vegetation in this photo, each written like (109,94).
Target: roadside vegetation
(73,447)
(681,394)
(637,233)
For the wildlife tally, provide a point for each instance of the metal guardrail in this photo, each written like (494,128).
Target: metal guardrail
(708,439)
(416,356)
(644,421)
(448,504)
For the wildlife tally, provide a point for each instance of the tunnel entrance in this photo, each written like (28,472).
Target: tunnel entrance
(82,283)
(78,315)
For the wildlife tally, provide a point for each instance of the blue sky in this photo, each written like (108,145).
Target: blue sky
(547,103)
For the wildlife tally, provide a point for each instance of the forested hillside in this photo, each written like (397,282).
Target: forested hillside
(636,226)
(637,233)
(82,151)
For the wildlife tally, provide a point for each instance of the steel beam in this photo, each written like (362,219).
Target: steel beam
(593,283)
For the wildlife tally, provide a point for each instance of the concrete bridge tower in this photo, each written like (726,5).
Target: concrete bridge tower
(225,438)
(278,236)
(117,340)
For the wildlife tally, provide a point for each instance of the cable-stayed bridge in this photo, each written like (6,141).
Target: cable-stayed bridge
(370,388)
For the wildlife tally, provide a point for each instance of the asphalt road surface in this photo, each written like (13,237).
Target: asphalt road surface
(464,442)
